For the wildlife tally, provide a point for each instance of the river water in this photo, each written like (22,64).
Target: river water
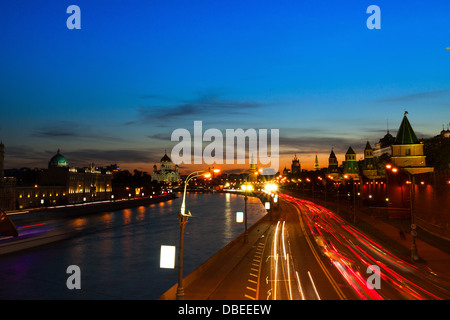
(118,252)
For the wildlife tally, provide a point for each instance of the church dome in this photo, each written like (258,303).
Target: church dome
(165,158)
(58,161)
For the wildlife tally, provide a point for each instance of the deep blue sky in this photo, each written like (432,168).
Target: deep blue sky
(116,89)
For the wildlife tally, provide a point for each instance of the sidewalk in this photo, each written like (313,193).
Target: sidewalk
(201,283)
(429,256)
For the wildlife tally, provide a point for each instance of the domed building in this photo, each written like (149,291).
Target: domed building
(58,161)
(61,184)
(166,173)
(384,145)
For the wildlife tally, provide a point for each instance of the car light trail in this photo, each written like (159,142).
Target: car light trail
(349,250)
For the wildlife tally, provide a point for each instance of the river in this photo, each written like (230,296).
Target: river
(118,252)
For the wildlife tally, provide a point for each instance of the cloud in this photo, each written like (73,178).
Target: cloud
(311,145)
(207,106)
(435,94)
(69,129)
(86,156)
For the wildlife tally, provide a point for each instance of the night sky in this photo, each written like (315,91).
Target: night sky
(115,90)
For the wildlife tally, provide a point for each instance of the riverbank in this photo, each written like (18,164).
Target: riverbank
(75,210)
(223,261)
(40,216)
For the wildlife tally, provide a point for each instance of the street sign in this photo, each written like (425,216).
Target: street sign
(239,217)
(167,258)
(267,205)
(414,233)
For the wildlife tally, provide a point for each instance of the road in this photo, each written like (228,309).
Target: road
(310,253)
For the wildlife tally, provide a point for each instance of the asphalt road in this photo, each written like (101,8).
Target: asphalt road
(310,253)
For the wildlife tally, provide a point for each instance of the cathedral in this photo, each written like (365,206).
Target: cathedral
(165,173)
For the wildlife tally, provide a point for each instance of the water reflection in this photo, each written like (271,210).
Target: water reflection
(118,252)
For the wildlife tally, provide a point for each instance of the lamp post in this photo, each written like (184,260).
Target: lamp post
(354,197)
(392,169)
(246,188)
(414,254)
(183,219)
(271,188)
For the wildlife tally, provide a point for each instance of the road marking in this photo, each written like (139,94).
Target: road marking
(314,286)
(252,298)
(252,281)
(313,250)
(250,288)
(300,286)
(275,255)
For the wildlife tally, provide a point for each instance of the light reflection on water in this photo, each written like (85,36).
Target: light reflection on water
(118,252)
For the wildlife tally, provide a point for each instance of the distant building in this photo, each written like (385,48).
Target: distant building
(316,164)
(56,185)
(253,172)
(351,169)
(445,133)
(384,145)
(7,185)
(61,184)
(333,165)
(295,166)
(407,150)
(369,170)
(166,173)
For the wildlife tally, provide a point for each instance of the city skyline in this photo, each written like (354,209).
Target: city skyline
(115,90)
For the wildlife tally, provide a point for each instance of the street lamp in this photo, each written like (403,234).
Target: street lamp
(183,219)
(354,197)
(246,188)
(414,254)
(389,167)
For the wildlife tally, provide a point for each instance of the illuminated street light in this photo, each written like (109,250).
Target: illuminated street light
(246,188)
(271,187)
(183,219)
(393,170)
(354,197)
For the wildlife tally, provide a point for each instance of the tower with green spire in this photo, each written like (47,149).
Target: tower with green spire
(253,172)
(351,169)
(316,164)
(407,150)
(369,169)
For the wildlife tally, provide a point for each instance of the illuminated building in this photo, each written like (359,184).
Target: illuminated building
(445,133)
(369,170)
(166,173)
(316,164)
(253,172)
(61,184)
(333,165)
(384,145)
(351,169)
(295,166)
(407,150)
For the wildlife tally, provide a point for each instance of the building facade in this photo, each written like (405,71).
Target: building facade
(407,150)
(166,173)
(59,184)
